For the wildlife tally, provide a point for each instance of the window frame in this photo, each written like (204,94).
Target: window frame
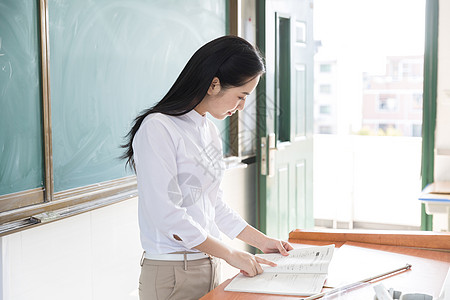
(429,100)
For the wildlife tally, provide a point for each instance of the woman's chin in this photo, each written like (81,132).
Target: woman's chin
(221,116)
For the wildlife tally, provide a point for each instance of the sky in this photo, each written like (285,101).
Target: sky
(368,30)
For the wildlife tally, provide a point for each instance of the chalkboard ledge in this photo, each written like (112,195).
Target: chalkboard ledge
(69,203)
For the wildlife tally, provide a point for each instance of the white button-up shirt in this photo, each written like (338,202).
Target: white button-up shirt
(179,168)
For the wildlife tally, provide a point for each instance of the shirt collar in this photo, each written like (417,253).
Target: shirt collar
(198,119)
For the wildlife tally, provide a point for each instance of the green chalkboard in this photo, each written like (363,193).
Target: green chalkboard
(109,59)
(21,146)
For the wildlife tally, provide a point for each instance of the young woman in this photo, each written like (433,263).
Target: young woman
(177,155)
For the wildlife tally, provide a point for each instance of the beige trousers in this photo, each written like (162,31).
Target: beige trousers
(161,279)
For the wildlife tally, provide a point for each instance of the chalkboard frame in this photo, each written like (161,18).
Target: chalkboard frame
(37,195)
(22,210)
(25,208)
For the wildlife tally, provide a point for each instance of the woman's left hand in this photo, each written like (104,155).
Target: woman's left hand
(273,246)
(266,244)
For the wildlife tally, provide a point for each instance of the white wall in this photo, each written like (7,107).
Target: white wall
(94,255)
(442,158)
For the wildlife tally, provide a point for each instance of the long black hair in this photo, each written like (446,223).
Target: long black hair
(230,58)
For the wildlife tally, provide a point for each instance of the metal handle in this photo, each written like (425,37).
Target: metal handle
(263,156)
(272,150)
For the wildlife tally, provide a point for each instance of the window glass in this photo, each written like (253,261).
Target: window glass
(325,109)
(325,68)
(325,89)
(368,86)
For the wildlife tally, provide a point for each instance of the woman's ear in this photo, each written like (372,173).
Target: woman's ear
(214,87)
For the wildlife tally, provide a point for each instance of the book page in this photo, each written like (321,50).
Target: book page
(283,284)
(302,273)
(302,260)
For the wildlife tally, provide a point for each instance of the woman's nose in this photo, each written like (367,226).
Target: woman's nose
(241,105)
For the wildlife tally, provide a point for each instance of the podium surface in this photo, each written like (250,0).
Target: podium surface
(364,254)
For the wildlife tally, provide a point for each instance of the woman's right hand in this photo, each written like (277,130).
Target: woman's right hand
(249,264)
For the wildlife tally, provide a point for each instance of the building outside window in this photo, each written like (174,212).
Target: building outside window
(367,150)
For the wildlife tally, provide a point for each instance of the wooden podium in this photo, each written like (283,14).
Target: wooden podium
(363,254)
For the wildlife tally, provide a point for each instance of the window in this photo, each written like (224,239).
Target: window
(385,127)
(417,102)
(366,161)
(324,129)
(417,130)
(387,102)
(406,70)
(412,68)
(325,109)
(325,68)
(325,88)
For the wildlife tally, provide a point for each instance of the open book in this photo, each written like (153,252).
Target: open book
(302,273)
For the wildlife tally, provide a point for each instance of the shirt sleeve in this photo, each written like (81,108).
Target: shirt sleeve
(159,192)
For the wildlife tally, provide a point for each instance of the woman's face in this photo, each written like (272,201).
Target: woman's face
(221,103)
